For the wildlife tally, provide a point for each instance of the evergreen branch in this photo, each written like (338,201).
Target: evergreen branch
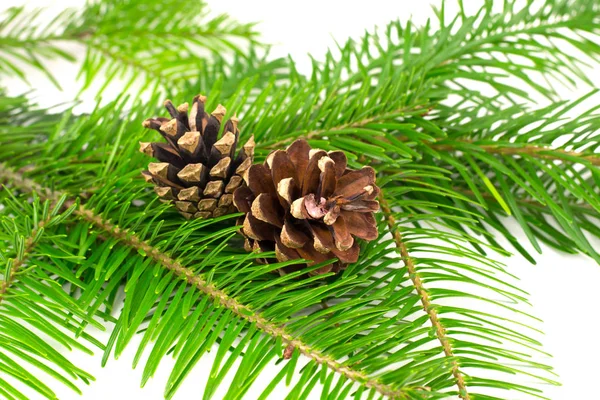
(123,200)
(207,288)
(520,153)
(541,152)
(440,331)
(9,175)
(386,99)
(232,304)
(129,60)
(483,49)
(128,40)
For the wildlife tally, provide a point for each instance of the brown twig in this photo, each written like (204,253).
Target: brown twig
(440,331)
(318,132)
(525,202)
(18,262)
(545,153)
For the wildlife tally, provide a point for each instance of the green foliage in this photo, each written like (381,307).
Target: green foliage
(425,313)
(537,187)
(34,308)
(145,45)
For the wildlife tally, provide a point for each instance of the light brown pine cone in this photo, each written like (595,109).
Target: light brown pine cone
(305,203)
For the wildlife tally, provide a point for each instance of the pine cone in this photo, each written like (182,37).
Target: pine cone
(305,203)
(197,172)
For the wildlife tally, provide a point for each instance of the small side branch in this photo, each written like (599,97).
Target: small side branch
(8,175)
(356,124)
(440,331)
(18,262)
(540,152)
(545,153)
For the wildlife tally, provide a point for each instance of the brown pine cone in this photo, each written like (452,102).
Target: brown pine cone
(197,172)
(305,203)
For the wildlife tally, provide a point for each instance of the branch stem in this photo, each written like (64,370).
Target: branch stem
(440,331)
(18,262)
(528,150)
(357,124)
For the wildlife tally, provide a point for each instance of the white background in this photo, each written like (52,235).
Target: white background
(564,289)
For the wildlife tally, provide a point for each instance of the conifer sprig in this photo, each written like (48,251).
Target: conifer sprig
(143,44)
(424,313)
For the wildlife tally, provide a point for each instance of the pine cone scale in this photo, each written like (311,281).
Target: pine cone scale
(284,253)
(260,180)
(341,234)
(329,179)
(265,208)
(312,176)
(354,184)
(298,153)
(242,198)
(360,225)
(340,162)
(291,236)
(257,229)
(282,168)
(287,190)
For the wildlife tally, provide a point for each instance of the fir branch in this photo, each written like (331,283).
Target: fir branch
(24,41)
(201,284)
(232,304)
(316,134)
(397,273)
(440,331)
(525,202)
(127,40)
(514,155)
